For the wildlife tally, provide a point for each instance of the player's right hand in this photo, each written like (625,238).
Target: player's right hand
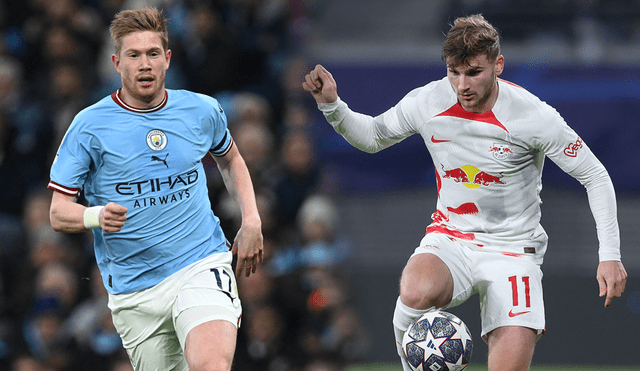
(320,83)
(112,217)
(249,246)
(612,278)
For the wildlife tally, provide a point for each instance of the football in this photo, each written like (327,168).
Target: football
(437,341)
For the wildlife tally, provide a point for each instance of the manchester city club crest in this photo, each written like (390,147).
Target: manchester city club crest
(156,140)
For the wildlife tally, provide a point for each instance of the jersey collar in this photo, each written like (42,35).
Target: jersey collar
(116,98)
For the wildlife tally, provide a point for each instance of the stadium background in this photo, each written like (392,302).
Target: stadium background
(339,224)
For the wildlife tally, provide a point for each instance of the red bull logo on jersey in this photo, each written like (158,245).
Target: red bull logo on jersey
(501,151)
(471,177)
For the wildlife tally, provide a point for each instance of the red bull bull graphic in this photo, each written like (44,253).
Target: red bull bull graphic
(471,177)
(458,175)
(485,179)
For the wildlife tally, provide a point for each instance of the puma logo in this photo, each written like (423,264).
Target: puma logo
(156,158)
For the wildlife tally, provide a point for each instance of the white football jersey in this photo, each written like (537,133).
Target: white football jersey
(488,165)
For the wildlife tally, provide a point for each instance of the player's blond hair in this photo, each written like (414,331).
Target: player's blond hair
(144,19)
(468,38)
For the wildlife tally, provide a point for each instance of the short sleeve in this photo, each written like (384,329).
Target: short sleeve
(222,140)
(72,161)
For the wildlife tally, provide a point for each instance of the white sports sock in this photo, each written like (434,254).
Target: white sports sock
(402,318)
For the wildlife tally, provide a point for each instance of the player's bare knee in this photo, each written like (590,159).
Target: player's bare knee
(206,362)
(421,297)
(205,359)
(422,285)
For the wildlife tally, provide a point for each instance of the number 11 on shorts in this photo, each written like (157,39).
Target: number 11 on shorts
(514,290)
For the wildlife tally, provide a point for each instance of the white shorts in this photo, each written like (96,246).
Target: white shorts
(509,285)
(153,323)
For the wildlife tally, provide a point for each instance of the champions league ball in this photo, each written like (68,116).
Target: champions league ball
(437,341)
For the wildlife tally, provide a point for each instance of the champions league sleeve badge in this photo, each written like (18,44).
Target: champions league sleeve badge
(156,140)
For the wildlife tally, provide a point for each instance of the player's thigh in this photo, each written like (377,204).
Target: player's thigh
(211,345)
(161,352)
(513,337)
(511,348)
(436,274)
(208,293)
(510,292)
(206,324)
(144,321)
(426,282)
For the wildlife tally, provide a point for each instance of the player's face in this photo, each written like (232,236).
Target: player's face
(476,84)
(142,64)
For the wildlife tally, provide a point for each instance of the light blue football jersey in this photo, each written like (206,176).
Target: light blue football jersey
(151,162)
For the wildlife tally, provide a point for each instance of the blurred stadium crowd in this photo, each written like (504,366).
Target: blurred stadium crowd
(517,20)
(54,61)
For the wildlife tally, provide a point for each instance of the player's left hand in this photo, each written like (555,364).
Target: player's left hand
(612,277)
(248,245)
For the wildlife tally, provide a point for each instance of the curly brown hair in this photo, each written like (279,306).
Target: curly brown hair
(468,38)
(145,19)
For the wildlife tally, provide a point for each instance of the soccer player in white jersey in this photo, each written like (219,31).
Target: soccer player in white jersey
(488,139)
(164,259)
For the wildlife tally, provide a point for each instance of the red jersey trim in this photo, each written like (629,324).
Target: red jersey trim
(116,98)
(464,209)
(510,83)
(73,192)
(435,227)
(438,228)
(488,117)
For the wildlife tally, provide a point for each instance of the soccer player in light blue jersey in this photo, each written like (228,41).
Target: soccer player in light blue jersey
(164,259)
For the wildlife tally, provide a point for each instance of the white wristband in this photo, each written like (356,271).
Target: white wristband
(92,217)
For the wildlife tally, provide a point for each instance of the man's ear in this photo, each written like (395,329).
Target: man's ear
(499,65)
(116,62)
(167,56)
